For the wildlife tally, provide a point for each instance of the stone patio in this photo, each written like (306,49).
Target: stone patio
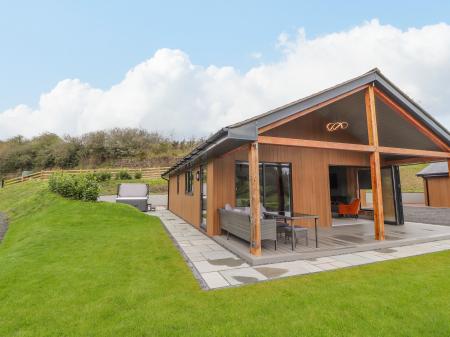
(216,267)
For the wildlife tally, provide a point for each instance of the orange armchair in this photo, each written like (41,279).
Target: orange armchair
(349,209)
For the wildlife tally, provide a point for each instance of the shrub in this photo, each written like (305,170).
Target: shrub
(138,175)
(80,187)
(103,176)
(123,175)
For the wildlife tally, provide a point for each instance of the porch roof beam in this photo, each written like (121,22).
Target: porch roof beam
(414,152)
(412,160)
(316,144)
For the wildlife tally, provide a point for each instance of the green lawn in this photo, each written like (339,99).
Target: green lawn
(157,185)
(69,268)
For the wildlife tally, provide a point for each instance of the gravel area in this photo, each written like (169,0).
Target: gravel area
(3,225)
(431,215)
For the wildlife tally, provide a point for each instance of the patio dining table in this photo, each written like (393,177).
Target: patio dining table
(296,216)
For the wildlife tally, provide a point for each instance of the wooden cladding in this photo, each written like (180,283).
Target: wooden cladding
(310,177)
(437,190)
(186,206)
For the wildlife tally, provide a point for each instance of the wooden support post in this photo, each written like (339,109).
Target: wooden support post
(378,213)
(255,209)
(375,164)
(212,214)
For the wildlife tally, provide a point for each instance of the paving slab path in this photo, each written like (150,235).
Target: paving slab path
(216,267)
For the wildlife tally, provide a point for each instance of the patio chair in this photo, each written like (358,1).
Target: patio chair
(135,195)
(298,232)
(351,209)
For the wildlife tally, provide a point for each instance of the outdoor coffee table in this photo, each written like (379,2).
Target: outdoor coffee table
(297,216)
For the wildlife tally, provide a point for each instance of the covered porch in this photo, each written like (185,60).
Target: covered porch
(363,127)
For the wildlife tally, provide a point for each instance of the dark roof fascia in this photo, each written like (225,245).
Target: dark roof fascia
(221,142)
(432,175)
(437,169)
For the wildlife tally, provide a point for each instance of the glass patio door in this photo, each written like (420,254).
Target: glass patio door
(203,197)
(392,195)
(275,186)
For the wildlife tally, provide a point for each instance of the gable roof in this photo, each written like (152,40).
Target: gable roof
(434,170)
(246,131)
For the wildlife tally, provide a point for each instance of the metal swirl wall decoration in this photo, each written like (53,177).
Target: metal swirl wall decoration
(333,126)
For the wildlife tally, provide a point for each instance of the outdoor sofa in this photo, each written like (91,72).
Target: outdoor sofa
(135,195)
(236,221)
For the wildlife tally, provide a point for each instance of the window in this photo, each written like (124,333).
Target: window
(189,182)
(178,184)
(275,186)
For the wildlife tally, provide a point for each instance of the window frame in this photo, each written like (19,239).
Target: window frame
(189,182)
(262,181)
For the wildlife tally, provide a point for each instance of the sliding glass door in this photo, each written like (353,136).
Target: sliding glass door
(392,195)
(203,197)
(391,191)
(275,186)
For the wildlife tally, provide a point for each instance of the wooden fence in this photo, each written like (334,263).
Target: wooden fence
(147,173)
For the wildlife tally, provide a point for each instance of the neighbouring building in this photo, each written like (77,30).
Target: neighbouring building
(436,184)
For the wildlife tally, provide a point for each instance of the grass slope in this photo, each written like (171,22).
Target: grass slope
(410,182)
(69,268)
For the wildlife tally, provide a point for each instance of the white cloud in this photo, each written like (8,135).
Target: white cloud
(170,94)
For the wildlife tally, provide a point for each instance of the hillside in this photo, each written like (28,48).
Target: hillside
(410,182)
(111,148)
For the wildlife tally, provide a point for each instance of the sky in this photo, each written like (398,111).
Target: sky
(188,68)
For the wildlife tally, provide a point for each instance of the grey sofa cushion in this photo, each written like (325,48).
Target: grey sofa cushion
(238,224)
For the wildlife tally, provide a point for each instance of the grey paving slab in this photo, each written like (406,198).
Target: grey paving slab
(207,266)
(215,280)
(215,255)
(353,259)
(242,276)
(327,266)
